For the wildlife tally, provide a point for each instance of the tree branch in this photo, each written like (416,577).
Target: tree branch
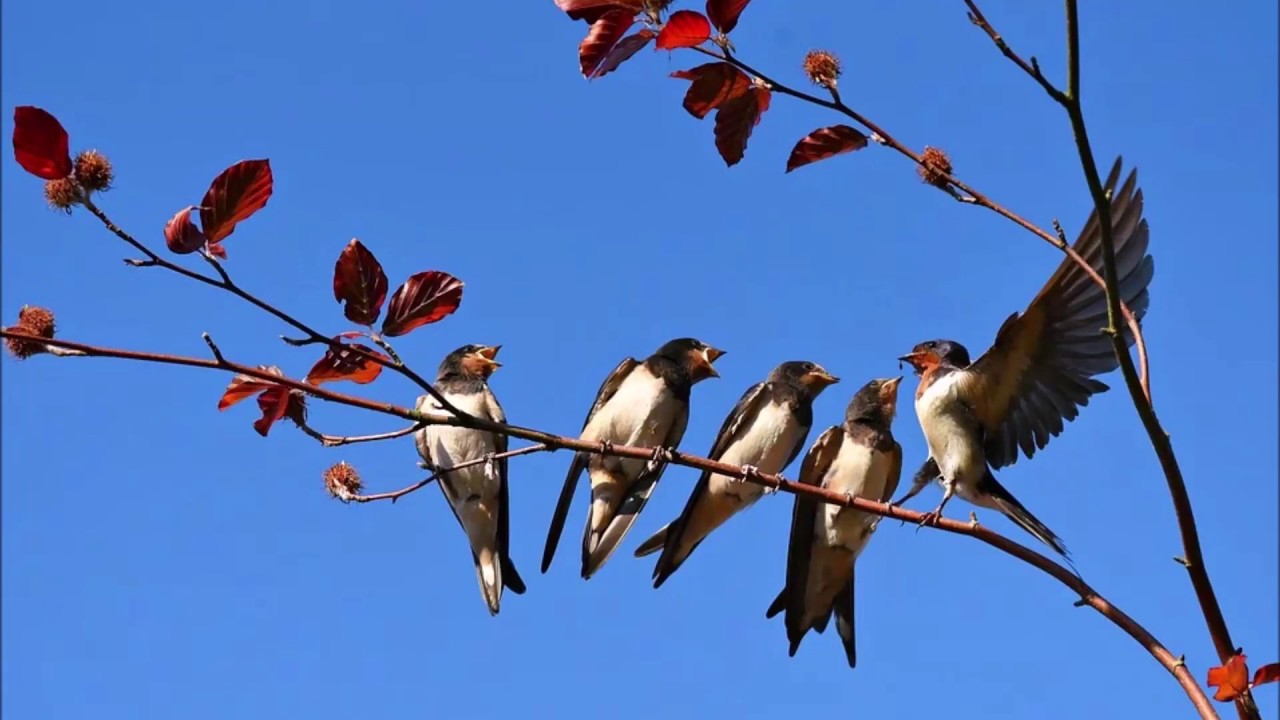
(397,494)
(1139,390)
(550,442)
(973,196)
(340,440)
(225,283)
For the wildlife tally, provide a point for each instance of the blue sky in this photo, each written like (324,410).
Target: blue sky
(160,559)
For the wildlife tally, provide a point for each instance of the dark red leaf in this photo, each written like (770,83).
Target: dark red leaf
(713,85)
(274,403)
(346,365)
(735,120)
(238,192)
(1266,674)
(243,386)
(623,51)
(360,283)
(40,144)
(724,13)
(217,250)
(424,298)
(685,28)
(181,235)
(1231,679)
(604,34)
(593,10)
(824,143)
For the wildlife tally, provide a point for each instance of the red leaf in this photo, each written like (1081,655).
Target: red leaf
(623,51)
(346,365)
(243,386)
(604,34)
(273,403)
(593,10)
(217,250)
(40,143)
(685,28)
(1266,674)
(824,143)
(713,85)
(724,13)
(181,235)
(360,283)
(238,192)
(424,298)
(735,120)
(1230,679)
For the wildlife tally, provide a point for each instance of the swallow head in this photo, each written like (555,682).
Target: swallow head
(693,354)
(877,401)
(471,361)
(810,377)
(932,353)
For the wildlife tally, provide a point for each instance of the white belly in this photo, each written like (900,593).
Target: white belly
(767,444)
(859,471)
(449,446)
(638,414)
(949,431)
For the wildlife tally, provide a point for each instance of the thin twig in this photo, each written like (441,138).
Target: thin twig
(397,494)
(973,196)
(1139,389)
(225,283)
(553,442)
(340,440)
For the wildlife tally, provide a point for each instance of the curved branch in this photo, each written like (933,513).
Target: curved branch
(551,442)
(974,197)
(1139,391)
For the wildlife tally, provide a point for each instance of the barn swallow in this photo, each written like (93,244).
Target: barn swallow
(1040,371)
(764,433)
(859,459)
(477,494)
(642,404)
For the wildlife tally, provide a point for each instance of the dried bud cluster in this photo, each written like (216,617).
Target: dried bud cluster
(342,481)
(32,321)
(935,167)
(822,68)
(93,171)
(62,194)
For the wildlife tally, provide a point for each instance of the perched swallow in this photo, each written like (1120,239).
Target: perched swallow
(477,494)
(1040,371)
(764,432)
(643,404)
(859,459)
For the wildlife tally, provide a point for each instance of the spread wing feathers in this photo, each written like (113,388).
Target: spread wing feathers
(579,463)
(804,513)
(734,424)
(630,507)
(1041,369)
(510,577)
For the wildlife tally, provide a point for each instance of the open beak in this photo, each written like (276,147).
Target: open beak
(915,359)
(486,355)
(890,387)
(709,356)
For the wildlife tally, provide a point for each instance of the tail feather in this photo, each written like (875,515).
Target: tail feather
(654,543)
(510,577)
(1006,503)
(779,604)
(489,575)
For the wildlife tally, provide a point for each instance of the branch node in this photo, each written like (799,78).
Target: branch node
(213,348)
(386,347)
(1182,561)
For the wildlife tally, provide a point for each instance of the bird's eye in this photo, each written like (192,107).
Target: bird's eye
(808,367)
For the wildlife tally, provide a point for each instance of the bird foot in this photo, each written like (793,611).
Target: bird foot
(662,455)
(930,518)
(490,468)
(606,447)
(973,520)
(748,472)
